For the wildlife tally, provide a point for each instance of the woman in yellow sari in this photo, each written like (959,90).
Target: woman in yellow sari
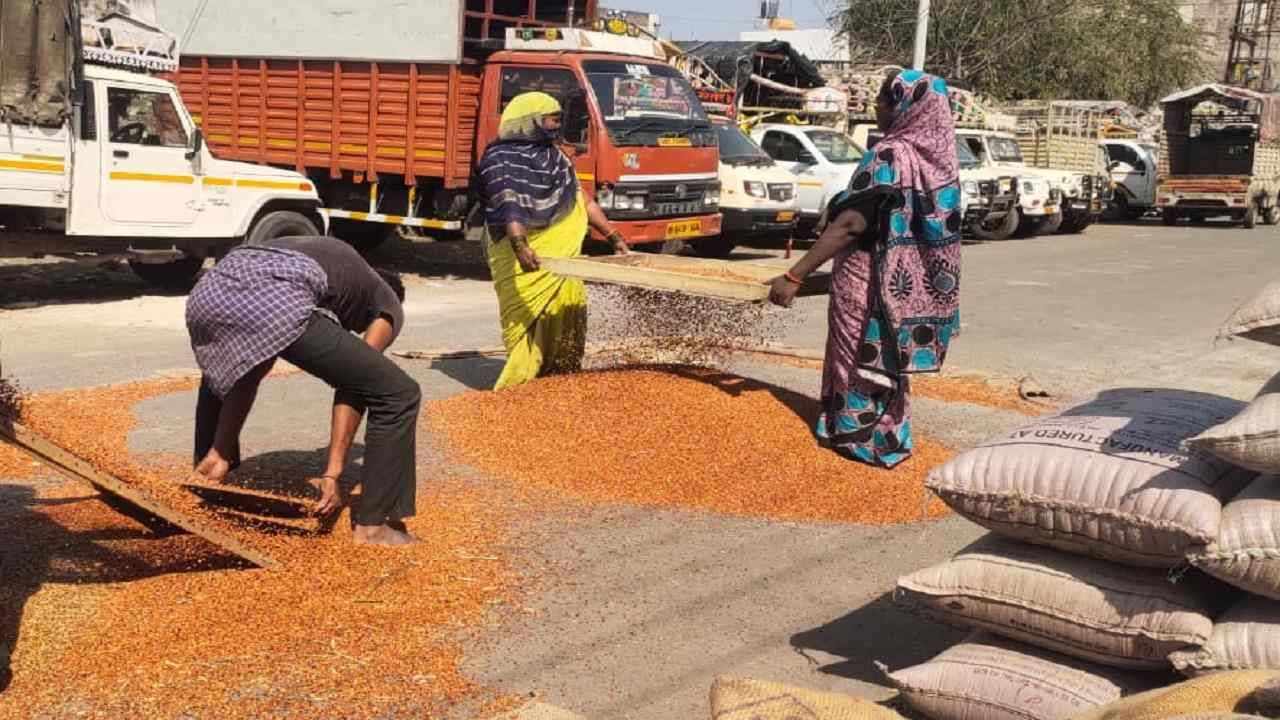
(534,207)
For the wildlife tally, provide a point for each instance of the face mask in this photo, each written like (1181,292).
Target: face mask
(551,135)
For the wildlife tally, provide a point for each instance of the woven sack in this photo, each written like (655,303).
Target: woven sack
(990,678)
(1108,478)
(740,699)
(1257,319)
(1078,606)
(1252,438)
(1246,637)
(1247,551)
(1223,692)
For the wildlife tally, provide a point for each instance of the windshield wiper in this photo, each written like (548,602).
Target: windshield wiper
(648,124)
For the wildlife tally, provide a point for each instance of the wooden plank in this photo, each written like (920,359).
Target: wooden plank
(43,449)
(719,279)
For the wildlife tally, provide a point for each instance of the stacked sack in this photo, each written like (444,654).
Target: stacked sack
(1072,594)
(1246,551)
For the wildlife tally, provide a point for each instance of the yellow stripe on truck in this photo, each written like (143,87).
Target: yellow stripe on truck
(274,185)
(31,166)
(220,182)
(153,177)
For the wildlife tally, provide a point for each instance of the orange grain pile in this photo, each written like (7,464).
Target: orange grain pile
(682,438)
(1001,395)
(117,622)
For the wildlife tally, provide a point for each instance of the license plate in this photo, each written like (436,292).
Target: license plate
(684,229)
(786,216)
(677,208)
(1050,209)
(674,142)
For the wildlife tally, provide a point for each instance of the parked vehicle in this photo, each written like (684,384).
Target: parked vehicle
(117,165)
(1133,167)
(819,159)
(988,194)
(390,132)
(1223,156)
(757,198)
(1061,140)
(1037,200)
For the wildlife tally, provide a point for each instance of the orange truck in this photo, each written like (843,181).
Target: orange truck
(387,106)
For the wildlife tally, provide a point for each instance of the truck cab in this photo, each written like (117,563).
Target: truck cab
(124,170)
(640,140)
(820,160)
(758,198)
(1133,168)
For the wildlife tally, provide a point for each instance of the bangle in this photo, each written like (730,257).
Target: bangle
(616,237)
(792,278)
(518,240)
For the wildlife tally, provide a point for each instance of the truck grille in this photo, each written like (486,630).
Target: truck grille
(782,191)
(667,199)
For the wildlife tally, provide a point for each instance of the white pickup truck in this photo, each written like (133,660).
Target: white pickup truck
(125,171)
(757,198)
(820,160)
(1037,209)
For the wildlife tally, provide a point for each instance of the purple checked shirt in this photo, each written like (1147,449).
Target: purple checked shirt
(251,306)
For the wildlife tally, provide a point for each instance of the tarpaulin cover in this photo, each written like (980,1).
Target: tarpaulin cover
(1264,104)
(36,52)
(725,58)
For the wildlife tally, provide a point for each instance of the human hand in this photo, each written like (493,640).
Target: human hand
(525,255)
(782,291)
(330,496)
(619,243)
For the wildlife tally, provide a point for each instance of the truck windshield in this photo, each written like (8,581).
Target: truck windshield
(1004,149)
(835,146)
(641,102)
(966,156)
(735,147)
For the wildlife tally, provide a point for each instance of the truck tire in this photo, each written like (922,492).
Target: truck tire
(280,223)
(176,275)
(1076,224)
(1001,229)
(719,246)
(1271,216)
(1169,217)
(1052,224)
(363,236)
(1250,220)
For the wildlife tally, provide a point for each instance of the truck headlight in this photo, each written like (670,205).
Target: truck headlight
(970,188)
(754,189)
(711,196)
(1006,185)
(604,197)
(1028,186)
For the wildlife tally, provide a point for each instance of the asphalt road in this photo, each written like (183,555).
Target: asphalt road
(641,609)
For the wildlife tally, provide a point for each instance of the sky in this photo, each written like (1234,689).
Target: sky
(721,19)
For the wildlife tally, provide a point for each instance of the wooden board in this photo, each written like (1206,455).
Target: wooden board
(46,451)
(721,279)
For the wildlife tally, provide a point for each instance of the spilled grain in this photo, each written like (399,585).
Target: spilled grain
(680,438)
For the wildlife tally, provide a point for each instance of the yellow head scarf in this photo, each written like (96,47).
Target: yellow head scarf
(523,117)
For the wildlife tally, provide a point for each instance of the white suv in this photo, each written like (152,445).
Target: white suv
(757,198)
(820,161)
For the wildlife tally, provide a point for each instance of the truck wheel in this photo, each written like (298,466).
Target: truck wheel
(176,275)
(719,246)
(1076,225)
(363,236)
(1250,217)
(1271,216)
(1169,217)
(280,223)
(1001,229)
(1052,224)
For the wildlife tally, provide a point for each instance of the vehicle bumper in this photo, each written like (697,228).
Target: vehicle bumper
(1204,201)
(640,232)
(742,220)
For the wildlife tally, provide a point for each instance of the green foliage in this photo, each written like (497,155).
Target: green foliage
(1132,50)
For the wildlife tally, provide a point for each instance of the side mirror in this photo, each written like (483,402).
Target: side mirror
(806,158)
(197,144)
(1111,166)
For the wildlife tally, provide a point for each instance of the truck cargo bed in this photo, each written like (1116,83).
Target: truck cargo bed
(411,119)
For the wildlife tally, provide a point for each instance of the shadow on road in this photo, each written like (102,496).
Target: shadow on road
(475,374)
(38,550)
(27,284)
(879,631)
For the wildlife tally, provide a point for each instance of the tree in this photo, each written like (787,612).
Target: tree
(1132,50)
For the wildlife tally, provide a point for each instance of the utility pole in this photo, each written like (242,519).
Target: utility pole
(922,33)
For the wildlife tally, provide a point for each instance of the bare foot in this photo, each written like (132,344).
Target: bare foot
(384,535)
(212,469)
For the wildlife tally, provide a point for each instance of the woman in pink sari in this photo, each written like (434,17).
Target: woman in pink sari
(894,237)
